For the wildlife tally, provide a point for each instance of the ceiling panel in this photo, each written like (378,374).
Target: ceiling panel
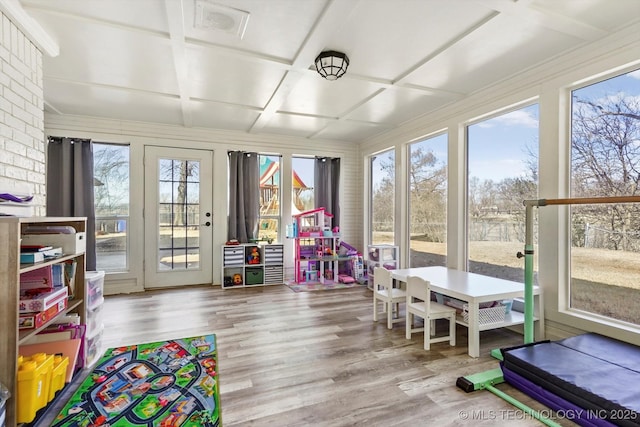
(144,60)
(275,27)
(106,55)
(351,131)
(385,39)
(296,125)
(231,78)
(315,95)
(603,15)
(143,14)
(218,116)
(94,101)
(487,56)
(397,105)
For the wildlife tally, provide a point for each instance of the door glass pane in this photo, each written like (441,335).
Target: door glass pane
(178,215)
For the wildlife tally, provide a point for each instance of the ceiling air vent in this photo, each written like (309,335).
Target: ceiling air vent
(212,16)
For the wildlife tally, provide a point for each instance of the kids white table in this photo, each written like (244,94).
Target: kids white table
(475,289)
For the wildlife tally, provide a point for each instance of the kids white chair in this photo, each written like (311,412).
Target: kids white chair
(419,304)
(383,291)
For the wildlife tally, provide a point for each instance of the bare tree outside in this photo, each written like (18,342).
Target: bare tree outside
(383,199)
(178,214)
(502,173)
(428,201)
(605,161)
(111,199)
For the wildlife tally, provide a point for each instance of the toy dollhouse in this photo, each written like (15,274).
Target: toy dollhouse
(317,255)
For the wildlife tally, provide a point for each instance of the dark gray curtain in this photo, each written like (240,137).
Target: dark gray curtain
(70,186)
(327,186)
(244,196)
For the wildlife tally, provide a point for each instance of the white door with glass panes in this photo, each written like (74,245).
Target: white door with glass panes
(178,217)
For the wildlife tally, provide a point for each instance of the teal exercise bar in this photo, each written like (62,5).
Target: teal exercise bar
(488,379)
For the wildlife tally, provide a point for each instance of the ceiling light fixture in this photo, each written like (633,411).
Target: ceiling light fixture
(331,64)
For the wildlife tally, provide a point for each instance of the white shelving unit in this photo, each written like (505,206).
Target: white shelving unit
(387,256)
(252,265)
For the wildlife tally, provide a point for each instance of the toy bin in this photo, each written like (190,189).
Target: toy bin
(34,380)
(254,276)
(95,318)
(58,375)
(93,345)
(95,288)
(4,396)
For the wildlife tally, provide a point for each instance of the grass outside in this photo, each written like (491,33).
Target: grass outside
(604,282)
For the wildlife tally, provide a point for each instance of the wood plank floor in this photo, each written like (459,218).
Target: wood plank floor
(318,359)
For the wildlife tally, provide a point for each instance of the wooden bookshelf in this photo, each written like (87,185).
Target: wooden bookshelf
(11,230)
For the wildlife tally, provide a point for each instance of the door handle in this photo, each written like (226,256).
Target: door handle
(208,223)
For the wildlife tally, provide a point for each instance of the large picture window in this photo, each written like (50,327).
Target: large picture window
(605,161)
(111,200)
(383,172)
(428,201)
(502,172)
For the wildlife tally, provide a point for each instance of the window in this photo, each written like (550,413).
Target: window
(502,172)
(428,201)
(111,199)
(605,161)
(269,221)
(302,182)
(383,171)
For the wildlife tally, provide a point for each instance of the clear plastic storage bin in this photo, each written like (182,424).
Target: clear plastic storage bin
(95,288)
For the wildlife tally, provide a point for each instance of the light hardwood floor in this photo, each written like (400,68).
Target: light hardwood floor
(318,359)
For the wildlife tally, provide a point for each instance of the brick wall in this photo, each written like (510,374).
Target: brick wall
(22,143)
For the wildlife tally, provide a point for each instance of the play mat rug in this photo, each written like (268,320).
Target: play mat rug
(160,384)
(308,287)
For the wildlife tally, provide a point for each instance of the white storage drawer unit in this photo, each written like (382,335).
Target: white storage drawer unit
(251,264)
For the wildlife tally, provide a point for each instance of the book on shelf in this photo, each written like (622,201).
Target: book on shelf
(52,253)
(35,300)
(39,256)
(37,279)
(31,257)
(35,320)
(34,248)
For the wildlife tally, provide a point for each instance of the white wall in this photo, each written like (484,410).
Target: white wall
(547,85)
(139,135)
(22,166)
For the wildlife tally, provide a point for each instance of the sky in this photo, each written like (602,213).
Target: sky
(499,147)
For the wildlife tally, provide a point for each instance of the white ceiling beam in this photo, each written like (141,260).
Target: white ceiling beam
(400,81)
(333,17)
(13,10)
(175,19)
(48,9)
(446,46)
(528,11)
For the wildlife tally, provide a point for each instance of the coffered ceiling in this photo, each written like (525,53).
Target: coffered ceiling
(247,65)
